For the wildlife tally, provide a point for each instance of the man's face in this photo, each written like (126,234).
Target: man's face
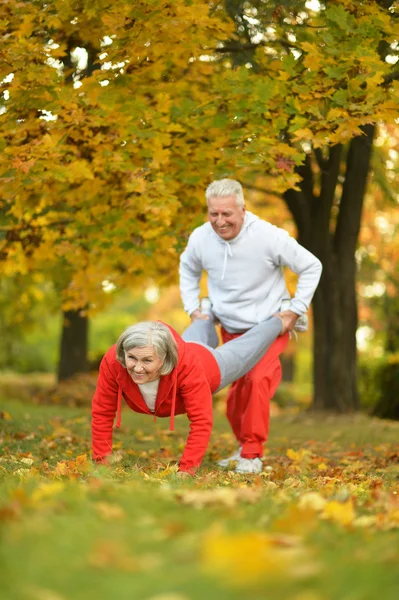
(225,216)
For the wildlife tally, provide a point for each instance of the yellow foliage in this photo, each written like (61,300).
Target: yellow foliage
(82,179)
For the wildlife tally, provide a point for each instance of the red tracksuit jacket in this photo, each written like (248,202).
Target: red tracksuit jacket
(187,389)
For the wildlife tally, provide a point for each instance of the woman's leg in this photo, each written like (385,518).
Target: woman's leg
(203,332)
(237,357)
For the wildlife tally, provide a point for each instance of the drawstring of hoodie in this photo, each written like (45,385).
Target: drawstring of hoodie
(227,251)
(119,407)
(173,408)
(172,412)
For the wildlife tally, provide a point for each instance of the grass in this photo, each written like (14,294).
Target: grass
(320,523)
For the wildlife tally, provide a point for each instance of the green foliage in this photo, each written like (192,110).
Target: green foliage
(33,344)
(369,388)
(105,327)
(28,328)
(388,380)
(379,385)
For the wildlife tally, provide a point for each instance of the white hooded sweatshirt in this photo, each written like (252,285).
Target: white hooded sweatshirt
(245,275)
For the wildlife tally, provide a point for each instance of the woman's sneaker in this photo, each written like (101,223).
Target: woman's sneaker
(249,465)
(302,322)
(234,457)
(206,306)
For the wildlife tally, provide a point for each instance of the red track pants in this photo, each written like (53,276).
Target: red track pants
(248,400)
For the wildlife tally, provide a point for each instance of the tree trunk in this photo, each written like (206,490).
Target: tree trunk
(334,304)
(73,350)
(74,338)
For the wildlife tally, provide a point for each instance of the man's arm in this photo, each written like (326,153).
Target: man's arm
(287,252)
(190,272)
(302,262)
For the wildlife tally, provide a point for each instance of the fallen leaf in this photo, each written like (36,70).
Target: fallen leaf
(339,512)
(110,511)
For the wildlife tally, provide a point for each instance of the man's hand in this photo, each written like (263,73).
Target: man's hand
(289,319)
(197,314)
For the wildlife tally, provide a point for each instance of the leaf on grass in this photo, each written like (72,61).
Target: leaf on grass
(297,520)
(46,491)
(340,512)
(312,500)
(109,511)
(5,415)
(23,473)
(299,456)
(245,558)
(27,461)
(227,497)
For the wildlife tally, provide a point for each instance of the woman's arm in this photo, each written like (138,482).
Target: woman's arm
(104,406)
(197,395)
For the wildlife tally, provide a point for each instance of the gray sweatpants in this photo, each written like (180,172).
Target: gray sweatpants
(237,357)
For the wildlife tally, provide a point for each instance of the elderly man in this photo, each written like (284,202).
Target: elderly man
(244,258)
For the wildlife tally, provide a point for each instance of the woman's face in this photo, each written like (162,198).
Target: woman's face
(143,364)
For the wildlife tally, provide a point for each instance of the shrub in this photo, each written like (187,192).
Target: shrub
(379,386)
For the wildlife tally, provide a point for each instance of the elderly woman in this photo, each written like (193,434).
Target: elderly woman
(160,373)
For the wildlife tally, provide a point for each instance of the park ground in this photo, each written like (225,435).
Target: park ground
(320,523)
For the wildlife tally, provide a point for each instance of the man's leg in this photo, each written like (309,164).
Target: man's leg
(248,401)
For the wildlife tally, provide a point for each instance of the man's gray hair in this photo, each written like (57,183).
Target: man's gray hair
(149,333)
(225,187)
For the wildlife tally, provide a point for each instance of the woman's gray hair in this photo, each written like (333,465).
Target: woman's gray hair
(149,333)
(226,187)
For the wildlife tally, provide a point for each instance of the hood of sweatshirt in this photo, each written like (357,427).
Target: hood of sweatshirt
(166,384)
(228,245)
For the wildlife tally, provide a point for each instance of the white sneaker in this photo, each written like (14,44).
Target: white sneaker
(249,465)
(302,323)
(226,461)
(206,306)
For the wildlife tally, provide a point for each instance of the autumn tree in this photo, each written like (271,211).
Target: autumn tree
(90,191)
(107,173)
(316,83)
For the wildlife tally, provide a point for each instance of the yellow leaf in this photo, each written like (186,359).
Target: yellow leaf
(243,558)
(322,466)
(312,62)
(109,511)
(80,170)
(283,76)
(310,48)
(160,157)
(47,490)
(303,134)
(312,500)
(340,512)
(298,456)
(61,468)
